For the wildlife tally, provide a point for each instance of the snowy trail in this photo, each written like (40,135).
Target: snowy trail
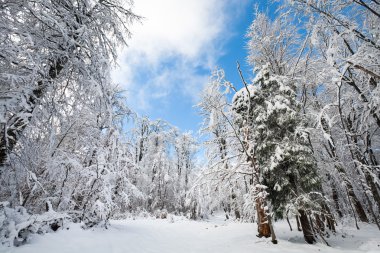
(184,236)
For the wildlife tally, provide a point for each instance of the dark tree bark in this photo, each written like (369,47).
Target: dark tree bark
(306,227)
(328,218)
(336,200)
(298,223)
(356,203)
(320,224)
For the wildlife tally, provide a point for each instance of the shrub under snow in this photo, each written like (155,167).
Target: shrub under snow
(16,224)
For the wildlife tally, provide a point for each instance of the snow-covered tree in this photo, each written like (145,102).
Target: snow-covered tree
(48,45)
(185,147)
(164,165)
(228,179)
(341,66)
(282,150)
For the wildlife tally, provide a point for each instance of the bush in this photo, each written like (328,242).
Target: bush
(16,224)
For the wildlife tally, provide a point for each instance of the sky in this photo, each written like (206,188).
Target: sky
(173,51)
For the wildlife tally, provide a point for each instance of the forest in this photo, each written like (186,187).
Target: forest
(297,143)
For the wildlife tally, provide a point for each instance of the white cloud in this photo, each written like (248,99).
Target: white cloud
(175,41)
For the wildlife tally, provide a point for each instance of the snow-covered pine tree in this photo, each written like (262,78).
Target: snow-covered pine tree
(243,107)
(284,157)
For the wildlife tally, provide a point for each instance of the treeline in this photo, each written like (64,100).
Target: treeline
(302,138)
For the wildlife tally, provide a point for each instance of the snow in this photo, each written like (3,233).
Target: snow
(178,234)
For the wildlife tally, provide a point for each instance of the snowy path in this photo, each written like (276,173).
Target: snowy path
(183,236)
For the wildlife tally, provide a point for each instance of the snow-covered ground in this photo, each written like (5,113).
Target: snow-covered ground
(182,236)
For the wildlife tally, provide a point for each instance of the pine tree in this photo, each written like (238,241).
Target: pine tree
(283,154)
(243,102)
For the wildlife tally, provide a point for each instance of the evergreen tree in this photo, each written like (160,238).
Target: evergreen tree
(243,102)
(283,154)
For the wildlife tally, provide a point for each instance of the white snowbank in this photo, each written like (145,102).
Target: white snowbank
(164,236)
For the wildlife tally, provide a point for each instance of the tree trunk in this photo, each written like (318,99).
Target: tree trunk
(298,223)
(320,223)
(306,227)
(336,199)
(329,218)
(235,206)
(274,239)
(357,205)
(372,185)
(262,220)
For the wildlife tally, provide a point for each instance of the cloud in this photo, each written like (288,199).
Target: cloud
(173,50)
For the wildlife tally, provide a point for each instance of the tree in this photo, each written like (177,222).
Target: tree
(285,158)
(53,45)
(185,147)
(275,42)
(343,59)
(164,164)
(242,106)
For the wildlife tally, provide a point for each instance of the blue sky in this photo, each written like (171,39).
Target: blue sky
(172,53)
